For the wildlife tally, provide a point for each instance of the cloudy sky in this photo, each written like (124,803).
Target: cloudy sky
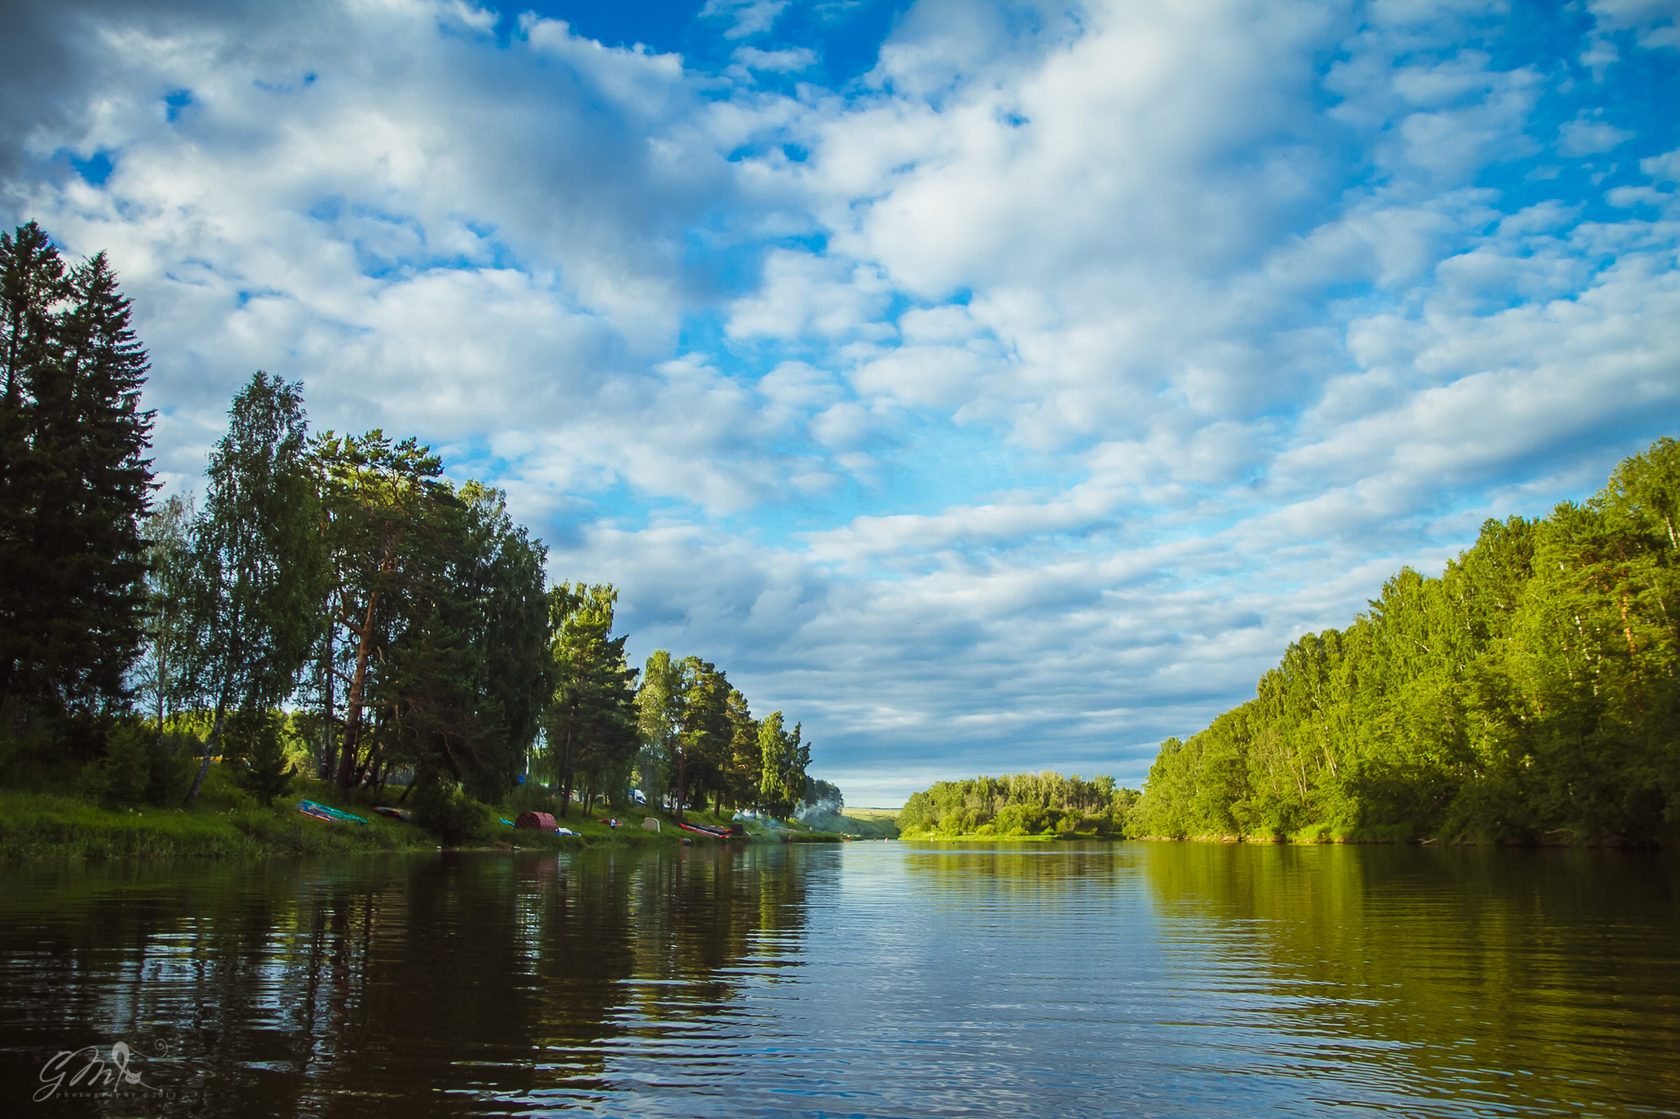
(989,386)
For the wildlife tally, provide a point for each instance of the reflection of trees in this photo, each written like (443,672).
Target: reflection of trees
(437,983)
(1042,868)
(1541,975)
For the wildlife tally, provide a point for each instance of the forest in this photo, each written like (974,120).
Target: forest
(1530,694)
(1024,804)
(328,603)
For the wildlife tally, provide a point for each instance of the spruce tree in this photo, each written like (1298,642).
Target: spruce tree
(74,484)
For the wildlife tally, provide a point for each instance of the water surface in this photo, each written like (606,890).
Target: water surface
(871,979)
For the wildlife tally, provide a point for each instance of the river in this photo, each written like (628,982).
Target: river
(867,979)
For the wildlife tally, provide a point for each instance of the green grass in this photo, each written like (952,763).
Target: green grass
(227,822)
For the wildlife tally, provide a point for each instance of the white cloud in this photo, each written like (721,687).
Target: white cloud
(804,294)
(1583,137)
(1018,401)
(777,61)
(745,18)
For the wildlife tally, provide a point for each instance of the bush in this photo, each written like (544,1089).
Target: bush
(254,737)
(140,766)
(444,810)
(530,797)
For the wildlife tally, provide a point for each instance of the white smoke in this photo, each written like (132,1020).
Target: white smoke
(825,809)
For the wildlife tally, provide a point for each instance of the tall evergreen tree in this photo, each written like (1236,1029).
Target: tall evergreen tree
(703,744)
(590,723)
(74,483)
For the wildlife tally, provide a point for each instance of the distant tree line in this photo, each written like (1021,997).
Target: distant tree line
(329,592)
(1025,804)
(1529,694)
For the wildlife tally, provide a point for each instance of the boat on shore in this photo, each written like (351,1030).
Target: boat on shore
(715,832)
(315,810)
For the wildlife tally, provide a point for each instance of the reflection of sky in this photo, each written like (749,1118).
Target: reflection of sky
(1185,980)
(866,979)
(956,376)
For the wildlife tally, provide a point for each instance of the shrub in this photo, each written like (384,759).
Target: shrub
(140,766)
(444,810)
(255,738)
(174,754)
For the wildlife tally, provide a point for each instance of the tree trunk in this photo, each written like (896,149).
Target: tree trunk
(682,782)
(329,752)
(210,745)
(566,769)
(353,704)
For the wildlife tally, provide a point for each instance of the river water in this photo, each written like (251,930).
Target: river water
(868,979)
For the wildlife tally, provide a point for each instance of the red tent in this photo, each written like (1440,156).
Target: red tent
(537,821)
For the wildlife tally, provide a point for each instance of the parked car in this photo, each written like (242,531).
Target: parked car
(636,797)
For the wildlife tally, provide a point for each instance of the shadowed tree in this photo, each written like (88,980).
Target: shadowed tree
(74,483)
(374,493)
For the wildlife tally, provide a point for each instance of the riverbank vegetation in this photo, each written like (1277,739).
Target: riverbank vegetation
(1025,805)
(228,821)
(1530,694)
(330,607)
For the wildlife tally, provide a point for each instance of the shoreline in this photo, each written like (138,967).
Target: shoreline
(1548,842)
(44,827)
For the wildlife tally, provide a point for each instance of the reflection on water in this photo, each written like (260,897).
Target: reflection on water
(870,979)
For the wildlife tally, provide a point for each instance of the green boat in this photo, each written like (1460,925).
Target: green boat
(326,812)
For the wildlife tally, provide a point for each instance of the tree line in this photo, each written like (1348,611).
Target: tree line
(1531,693)
(1023,804)
(330,592)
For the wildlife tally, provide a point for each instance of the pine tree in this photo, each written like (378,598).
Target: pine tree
(74,483)
(32,284)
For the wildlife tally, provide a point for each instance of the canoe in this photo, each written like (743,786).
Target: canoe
(318,811)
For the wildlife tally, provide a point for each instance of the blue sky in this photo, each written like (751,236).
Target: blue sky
(988,386)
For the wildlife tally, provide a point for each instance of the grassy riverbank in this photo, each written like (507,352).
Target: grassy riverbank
(228,822)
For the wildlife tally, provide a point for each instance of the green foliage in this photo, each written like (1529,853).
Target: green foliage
(376,497)
(445,810)
(225,822)
(1531,693)
(258,557)
(412,619)
(822,793)
(74,486)
(705,739)
(168,636)
(656,723)
(141,766)
(782,783)
(1025,804)
(589,723)
(255,748)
